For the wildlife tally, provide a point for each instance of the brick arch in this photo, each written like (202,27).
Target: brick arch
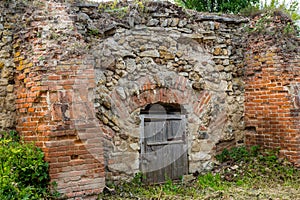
(180,92)
(170,96)
(162,95)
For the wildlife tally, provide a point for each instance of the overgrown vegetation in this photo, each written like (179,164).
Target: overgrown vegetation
(267,10)
(270,13)
(290,9)
(23,171)
(272,6)
(246,7)
(241,174)
(119,9)
(223,6)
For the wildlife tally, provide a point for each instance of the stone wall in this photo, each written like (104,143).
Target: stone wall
(7,97)
(272,87)
(165,55)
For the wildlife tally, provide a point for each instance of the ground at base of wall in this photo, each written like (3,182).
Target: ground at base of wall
(261,177)
(255,188)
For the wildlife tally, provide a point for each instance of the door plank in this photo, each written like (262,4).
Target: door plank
(164,149)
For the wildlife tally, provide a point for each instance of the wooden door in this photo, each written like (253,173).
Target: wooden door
(163,148)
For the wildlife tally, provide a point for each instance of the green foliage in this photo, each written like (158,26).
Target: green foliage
(212,181)
(223,6)
(265,25)
(237,154)
(267,10)
(93,32)
(255,163)
(290,9)
(137,179)
(250,8)
(114,8)
(118,9)
(23,172)
(170,188)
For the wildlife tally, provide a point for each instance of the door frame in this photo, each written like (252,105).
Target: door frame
(184,141)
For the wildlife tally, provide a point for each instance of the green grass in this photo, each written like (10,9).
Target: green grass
(244,174)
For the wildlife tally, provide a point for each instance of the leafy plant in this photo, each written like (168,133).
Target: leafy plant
(23,171)
(169,187)
(137,179)
(256,164)
(223,6)
(237,154)
(93,32)
(119,9)
(212,181)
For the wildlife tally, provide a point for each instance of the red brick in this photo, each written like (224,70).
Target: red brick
(31,109)
(21,76)
(54,77)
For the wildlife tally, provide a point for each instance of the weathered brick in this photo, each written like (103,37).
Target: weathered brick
(46,75)
(275,103)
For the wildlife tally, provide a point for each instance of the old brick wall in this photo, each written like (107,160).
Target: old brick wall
(54,81)
(272,67)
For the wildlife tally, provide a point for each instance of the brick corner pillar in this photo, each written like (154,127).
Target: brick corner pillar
(74,139)
(272,94)
(54,102)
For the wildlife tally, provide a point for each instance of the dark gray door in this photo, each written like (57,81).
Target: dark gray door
(163,147)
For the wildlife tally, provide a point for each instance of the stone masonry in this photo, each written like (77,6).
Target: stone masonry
(165,56)
(74,77)
(7,96)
